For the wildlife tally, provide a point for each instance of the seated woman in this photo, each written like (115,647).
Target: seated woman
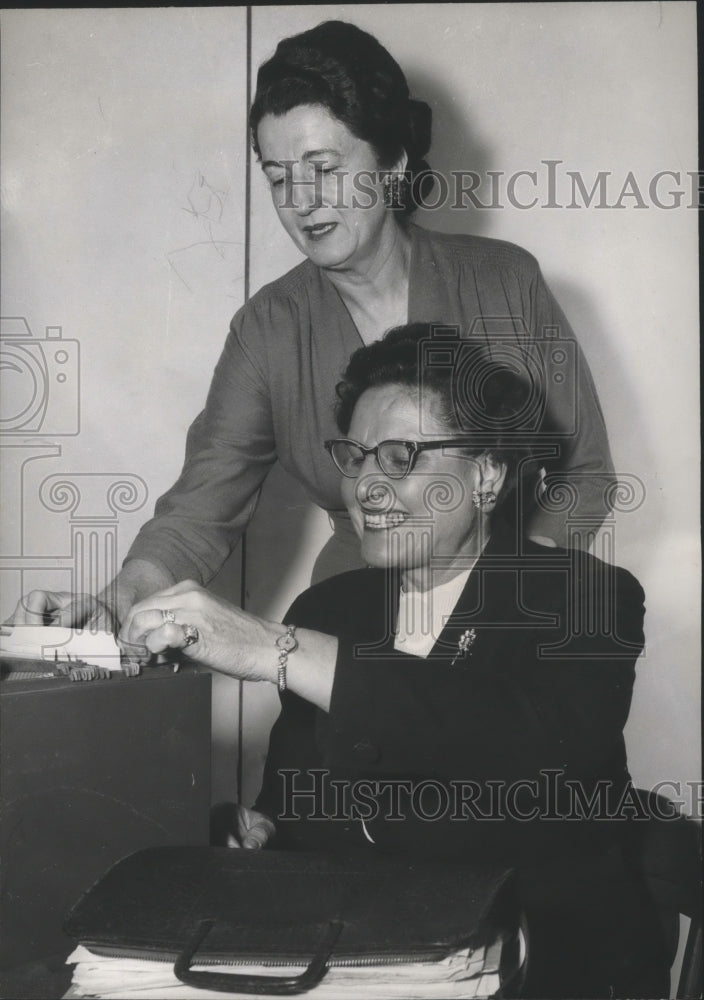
(466,694)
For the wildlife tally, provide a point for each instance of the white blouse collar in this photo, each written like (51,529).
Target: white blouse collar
(422,614)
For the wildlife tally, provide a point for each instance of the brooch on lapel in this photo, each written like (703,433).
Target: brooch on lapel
(464,646)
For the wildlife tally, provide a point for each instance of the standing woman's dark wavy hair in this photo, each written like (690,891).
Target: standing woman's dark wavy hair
(347,71)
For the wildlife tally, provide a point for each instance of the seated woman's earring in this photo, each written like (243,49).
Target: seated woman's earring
(392,191)
(483,499)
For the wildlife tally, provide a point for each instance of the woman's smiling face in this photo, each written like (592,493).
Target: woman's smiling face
(326,187)
(429,515)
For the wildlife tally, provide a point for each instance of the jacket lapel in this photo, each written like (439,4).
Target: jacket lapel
(490,609)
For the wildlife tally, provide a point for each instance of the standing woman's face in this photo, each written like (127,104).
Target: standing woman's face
(326,188)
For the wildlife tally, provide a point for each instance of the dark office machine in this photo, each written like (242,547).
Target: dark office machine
(90,773)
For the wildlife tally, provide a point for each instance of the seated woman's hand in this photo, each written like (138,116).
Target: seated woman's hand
(254,830)
(234,825)
(208,629)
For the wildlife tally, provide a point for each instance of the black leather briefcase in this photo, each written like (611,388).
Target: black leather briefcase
(213,905)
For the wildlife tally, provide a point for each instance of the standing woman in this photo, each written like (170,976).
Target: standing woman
(342,146)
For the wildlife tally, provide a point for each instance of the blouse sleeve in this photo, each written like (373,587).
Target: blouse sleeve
(229,450)
(579,481)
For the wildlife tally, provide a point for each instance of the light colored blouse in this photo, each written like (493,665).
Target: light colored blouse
(273,392)
(423,614)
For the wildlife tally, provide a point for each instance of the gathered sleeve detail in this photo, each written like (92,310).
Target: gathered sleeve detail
(230,448)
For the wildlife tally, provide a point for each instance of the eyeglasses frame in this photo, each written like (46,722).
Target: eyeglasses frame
(414,450)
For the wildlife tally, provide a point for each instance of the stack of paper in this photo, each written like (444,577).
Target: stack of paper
(55,643)
(463,974)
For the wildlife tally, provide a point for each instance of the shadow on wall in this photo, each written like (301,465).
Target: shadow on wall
(455,147)
(607,365)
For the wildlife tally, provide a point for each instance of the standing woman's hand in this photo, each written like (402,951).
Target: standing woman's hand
(206,628)
(50,607)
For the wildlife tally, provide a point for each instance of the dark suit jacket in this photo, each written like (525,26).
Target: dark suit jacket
(513,751)
(541,696)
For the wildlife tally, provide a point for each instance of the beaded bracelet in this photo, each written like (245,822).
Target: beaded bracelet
(286,643)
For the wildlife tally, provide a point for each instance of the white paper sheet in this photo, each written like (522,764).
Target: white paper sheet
(52,642)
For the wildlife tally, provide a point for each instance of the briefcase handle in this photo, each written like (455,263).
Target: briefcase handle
(236,982)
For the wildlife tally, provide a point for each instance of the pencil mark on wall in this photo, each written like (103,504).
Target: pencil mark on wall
(205,204)
(205,201)
(218,245)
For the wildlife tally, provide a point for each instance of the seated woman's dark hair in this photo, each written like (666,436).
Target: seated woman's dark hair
(473,395)
(347,71)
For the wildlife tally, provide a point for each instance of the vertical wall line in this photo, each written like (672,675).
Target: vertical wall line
(248,158)
(247,238)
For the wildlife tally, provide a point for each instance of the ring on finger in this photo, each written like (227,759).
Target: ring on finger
(169,617)
(190,635)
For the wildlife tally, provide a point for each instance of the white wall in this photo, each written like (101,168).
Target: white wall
(601,87)
(124,145)
(111,118)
